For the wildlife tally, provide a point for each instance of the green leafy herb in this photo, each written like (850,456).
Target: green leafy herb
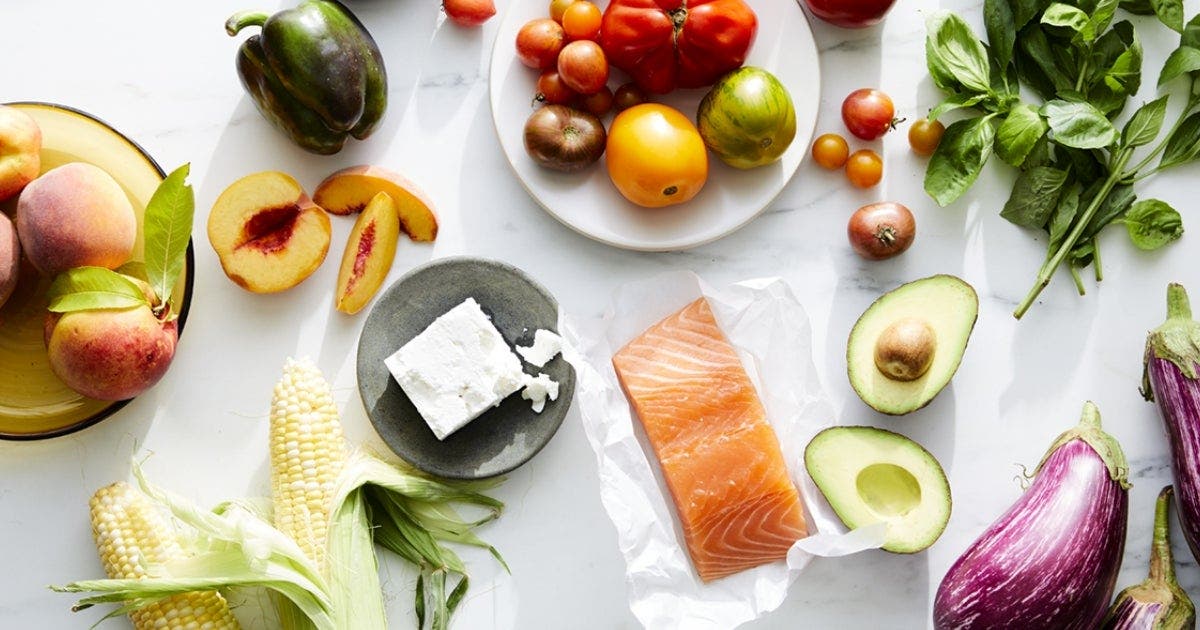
(1145,124)
(953,54)
(168,228)
(1183,145)
(92,288)
(1079,125)
(1170,13)
(1064,15)
(1183,60)
(1152,224)
(1064,214)
(1001,30)
(1034,196)
(1019,133)
(960,156)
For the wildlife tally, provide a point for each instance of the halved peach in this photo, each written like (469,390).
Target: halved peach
(369,254)
(350,189)
(268,234)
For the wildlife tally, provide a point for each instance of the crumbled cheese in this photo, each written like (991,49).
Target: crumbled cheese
(537,389)
(546,345)
(456,369)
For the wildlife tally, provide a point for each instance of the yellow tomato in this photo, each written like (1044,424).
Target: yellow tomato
(656,156)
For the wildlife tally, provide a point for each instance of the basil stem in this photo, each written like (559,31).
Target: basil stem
(1048,269)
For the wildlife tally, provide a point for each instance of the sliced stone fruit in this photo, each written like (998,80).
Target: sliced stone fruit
(907,345)
(871,475)
(369,254)
(350,189)
(267,233)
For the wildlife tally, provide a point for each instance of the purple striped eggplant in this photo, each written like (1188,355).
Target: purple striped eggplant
(1157,603)
(1170,378)
(1051,560)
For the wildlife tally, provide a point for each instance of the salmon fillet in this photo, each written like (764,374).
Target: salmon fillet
(720,457)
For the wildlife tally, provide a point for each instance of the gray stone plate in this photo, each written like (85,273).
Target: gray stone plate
(503,437)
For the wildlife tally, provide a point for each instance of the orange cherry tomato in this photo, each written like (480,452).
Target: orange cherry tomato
(656,156)
(551,90)
(558,7)
(830,151)
(583,66)
(539,42)
(581,20)
(864,168)
(925,135)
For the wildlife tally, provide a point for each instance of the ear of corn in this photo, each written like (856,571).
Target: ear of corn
(131,533)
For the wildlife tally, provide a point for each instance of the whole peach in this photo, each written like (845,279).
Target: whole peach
(10,258)
(20,150)
(110,354)
(73,216)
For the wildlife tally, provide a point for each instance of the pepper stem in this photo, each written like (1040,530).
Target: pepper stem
(1162,565)
(242,19)
(1178,305)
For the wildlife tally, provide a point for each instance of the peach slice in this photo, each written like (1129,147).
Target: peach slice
(268,234)
(348,191)
(369,254)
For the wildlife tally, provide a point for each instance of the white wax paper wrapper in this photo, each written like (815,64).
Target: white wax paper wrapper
(770,330)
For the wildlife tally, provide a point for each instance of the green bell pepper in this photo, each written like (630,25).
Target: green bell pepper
(314,71)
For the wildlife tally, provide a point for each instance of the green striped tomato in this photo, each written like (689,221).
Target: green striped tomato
(747,118)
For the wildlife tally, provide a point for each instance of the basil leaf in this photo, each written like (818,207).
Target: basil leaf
(1182,60)
(1137,7)
(1025,10)
(1083,163)
(1170,13)
(1190,36)
(1037,54)
(1118,201)
(1019,132)
(960,156)
(954,55)
(953,102)
(1145,124)
(1079,125)
(1001,31)
(1152,224)
(1064,214)
(1184,145)
(1098,22)
(1034,196)
(92,288)
(1041,155)
(1082,254)
(168,228)
(1064,15)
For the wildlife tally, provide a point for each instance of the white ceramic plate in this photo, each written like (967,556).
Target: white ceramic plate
(588,203)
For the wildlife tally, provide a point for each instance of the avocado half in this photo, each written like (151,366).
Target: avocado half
(870,475)
(948,305)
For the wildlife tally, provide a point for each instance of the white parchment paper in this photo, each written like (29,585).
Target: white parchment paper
(770,330)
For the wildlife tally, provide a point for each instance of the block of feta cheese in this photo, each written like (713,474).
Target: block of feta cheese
(456,369)
(545,346)
(538,389)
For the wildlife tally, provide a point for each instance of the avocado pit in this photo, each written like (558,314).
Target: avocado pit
(904,350)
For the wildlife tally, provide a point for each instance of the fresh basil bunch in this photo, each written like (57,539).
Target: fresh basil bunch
(1075,175)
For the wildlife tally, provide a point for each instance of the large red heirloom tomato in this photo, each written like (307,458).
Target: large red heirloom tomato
(665,44)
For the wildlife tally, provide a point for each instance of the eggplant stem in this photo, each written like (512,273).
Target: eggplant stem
(242,19)
(1178,305)
(1090,419)
(1162,565)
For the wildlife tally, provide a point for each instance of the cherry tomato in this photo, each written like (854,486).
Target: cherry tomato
(551,90)
(539,42)
(881,230)
(583,66)
(469,12)
(925,135)
(656,156)
(850,13)
(599,103)
(627,96)
(830,151)
(868,114)
(557,7)
(581,20)
(864,168)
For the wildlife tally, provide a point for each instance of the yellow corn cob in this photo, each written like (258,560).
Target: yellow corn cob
(308,452)
(131,533)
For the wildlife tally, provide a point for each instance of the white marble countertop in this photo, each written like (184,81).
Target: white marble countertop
(163,73)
